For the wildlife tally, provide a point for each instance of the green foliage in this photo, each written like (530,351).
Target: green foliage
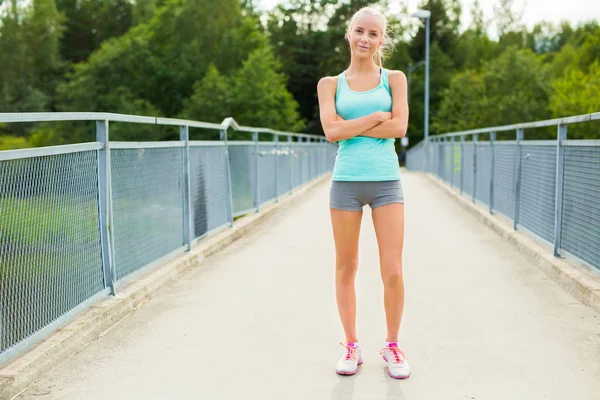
(8,142)
(489,98)
(256,95)
(91,22)
(207,60)
(259,79)
(212,99)
(577,93)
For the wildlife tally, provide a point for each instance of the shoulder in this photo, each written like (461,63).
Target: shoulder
(327,82)
(396,77)
(327,85)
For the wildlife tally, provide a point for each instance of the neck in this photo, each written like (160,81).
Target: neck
(362,67)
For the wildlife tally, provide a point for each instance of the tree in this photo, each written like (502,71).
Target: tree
(160,61)
(30,63)
(507,18)
(463,105)
(212,100)
(575,93)
(260,94)
(474,46)
(91,22)
(516,68)
(444,25)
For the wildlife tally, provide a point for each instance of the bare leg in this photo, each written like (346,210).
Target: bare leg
(388,221)
(346,230)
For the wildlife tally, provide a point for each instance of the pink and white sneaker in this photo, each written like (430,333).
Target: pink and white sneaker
(352,358)
(397,365)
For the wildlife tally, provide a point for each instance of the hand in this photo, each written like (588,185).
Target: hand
(383,116)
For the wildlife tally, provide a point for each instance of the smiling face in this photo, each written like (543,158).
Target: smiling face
(365,35)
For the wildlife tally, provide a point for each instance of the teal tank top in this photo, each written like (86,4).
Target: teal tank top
(363,158)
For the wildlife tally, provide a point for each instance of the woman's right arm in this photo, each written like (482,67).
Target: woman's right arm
(335,128)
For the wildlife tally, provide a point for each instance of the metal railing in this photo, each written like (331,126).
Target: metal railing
(548,188)
(78,221)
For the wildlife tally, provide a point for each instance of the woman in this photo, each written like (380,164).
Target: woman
(364,109)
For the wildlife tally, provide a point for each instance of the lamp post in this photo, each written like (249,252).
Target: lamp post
(426,15)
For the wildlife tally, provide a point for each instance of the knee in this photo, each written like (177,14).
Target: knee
(346,268)
(392,275)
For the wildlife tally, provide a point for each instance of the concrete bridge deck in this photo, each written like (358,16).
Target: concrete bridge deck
(259,321)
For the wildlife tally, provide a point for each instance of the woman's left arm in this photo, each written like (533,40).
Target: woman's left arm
(395,127)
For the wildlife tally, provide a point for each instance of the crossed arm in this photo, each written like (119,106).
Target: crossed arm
(377,125)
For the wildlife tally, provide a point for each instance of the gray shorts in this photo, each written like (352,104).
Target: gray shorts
(353,196)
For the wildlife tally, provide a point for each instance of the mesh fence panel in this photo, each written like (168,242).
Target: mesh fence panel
(300,164)
(448,170)
(285,168)
(50,256)
(415,158)
(208,188)
(456,156)
(147,205)
(243,176)
(538,187)
(581,204)
(314,161)
(267,162)
(504,178)
(296,165)
(441,160)
(483,172)
(468,168)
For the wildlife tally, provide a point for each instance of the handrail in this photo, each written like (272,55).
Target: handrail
(227,123)
(526,125)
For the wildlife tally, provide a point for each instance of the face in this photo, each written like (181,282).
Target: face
(365,36)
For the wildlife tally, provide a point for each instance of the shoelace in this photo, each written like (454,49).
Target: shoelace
(351,354)
(399,356)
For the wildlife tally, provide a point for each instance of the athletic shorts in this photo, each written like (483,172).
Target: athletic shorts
(353,196)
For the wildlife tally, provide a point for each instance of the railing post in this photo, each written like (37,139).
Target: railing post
(276,139)
(105,206)
(462,163)
(475,136)
(256,172)
(291,154)
(492,161)
(223,136)
(184,136)
(520,136)
(560,173)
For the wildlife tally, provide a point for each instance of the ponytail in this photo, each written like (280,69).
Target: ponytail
(377,57)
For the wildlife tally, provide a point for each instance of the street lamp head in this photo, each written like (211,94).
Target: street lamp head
(422,14)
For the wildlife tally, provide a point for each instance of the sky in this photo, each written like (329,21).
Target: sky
(534,11)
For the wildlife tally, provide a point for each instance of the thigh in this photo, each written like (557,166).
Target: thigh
(388,221)
(346,232)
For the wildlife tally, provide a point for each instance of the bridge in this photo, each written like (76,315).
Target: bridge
(204,268)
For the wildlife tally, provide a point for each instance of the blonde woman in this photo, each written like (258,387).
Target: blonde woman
(365,109)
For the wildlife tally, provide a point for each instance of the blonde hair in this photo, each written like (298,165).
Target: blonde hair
(387,46)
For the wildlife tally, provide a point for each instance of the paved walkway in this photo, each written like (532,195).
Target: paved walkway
(260,321)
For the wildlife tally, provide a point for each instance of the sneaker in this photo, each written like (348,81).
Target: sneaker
(352,358)
(396,359)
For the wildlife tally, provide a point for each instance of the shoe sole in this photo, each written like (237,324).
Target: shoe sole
(348,373)
(395,377)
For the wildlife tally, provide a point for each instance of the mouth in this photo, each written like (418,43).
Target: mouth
(362,47)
